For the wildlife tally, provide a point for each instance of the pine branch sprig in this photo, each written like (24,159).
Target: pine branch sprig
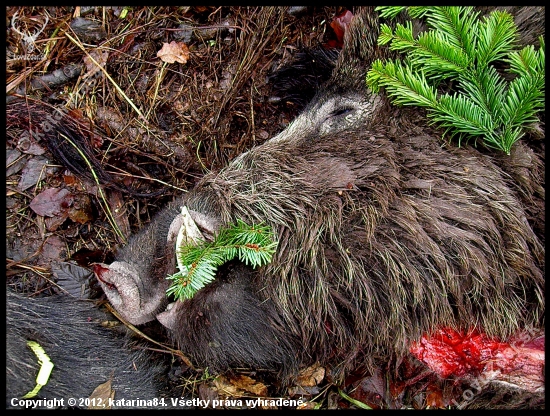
(406,90)
(462,48)
(253,245)
(496,37)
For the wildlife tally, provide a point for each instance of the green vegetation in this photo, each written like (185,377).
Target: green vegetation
(253,245)
(460,53)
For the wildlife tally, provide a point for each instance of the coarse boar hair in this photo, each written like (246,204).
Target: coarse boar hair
(385,233)
(83,352)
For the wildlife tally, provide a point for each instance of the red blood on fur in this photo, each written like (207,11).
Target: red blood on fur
(449,352)
(452,353)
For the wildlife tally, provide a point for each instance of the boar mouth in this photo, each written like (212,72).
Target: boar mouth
(185,234)
(194,227)
(170,317)
(207,225)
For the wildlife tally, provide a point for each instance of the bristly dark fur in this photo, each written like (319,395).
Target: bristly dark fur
(384,237)
(84,353)
(385,233)
(299,80)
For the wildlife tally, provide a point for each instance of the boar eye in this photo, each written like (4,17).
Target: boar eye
(342,111)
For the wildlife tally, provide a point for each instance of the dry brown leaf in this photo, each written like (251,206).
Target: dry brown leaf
(99,399)
(249,384)
(174,52)
(81,211)
(98,56)
(311,376)
(225,387)
(238,386)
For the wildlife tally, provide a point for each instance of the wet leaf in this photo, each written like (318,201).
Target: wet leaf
(299,391)
(308,406)
(73,279)
(52,202)
(372,390)
(53,247)
(53,223)
(14,162)
(174,52)
(29,146)
(100,57)
(340,24)
(32,173)
(102,394)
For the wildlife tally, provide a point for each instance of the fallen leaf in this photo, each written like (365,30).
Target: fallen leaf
(52,202)
(32,172)
(174,52)
(73,279)
(81,209)
(249,384)
(120,212)
(29,146)
(372,390)
(53,247)
(88,30)
(100,57)
(53,223)
(311,376)
(238,386)
(99,399)
(15,161)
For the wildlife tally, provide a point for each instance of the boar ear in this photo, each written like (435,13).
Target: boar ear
(361,47)
(360,44)
(361,36)
(124,288)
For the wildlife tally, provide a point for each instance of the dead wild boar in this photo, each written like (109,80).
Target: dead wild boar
(386,233)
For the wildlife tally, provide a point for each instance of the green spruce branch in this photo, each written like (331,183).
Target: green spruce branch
(463,49)
(253,245)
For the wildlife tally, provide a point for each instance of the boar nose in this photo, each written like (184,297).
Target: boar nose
(125,289)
